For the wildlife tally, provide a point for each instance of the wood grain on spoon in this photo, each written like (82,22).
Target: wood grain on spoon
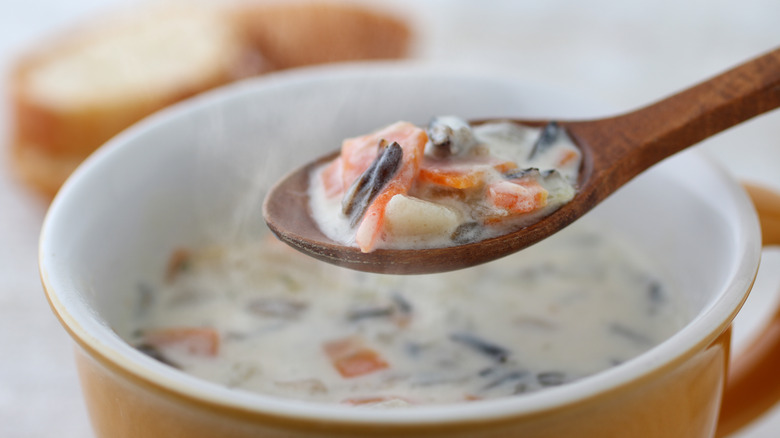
(615,150)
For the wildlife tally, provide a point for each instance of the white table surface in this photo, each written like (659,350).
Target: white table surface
(624,53)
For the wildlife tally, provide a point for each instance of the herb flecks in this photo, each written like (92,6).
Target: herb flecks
(486,348)
(547,138)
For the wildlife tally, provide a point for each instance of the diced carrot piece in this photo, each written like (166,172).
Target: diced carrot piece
(352,358)
(178,262)
(517,197)
(412,141)
(567,157)
(357,401)
(364,401)
(359,363)
(371,226)
(332,179)
(198,341)
(461,175)
(358,153)
(493,220)
(456,179)
(505,166)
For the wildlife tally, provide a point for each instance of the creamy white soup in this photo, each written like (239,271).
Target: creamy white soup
(267,319)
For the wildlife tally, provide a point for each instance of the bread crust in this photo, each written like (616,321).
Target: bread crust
(298,34)
(42,171)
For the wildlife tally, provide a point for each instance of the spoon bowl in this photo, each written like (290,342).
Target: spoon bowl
(614,151)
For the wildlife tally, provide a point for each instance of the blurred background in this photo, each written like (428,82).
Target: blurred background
(621,53)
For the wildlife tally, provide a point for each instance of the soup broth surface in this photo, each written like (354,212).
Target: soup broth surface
(264,318)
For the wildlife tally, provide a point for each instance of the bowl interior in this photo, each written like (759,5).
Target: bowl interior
(197,174)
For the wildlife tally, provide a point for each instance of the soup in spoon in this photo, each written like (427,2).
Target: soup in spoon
(404,187)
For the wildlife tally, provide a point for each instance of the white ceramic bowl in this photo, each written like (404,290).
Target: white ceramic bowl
(197,173)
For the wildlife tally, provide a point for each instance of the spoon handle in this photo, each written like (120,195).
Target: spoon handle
(628,144)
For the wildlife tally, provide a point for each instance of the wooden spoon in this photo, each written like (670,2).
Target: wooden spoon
(614,150)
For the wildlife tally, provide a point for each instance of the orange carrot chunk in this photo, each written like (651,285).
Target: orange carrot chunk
(198,341)
(461,175)
(455,178)
(332,179)
(179,262)
(352,358)
(370,229)
(358,154)
(517,197)
(567,157)
(357,401)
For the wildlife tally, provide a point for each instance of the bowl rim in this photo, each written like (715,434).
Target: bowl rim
(103,344)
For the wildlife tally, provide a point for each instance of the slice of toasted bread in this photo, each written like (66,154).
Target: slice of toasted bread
(82,88)
(79,91)
(298,34)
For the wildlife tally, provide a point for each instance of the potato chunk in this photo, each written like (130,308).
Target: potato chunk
(408,216)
